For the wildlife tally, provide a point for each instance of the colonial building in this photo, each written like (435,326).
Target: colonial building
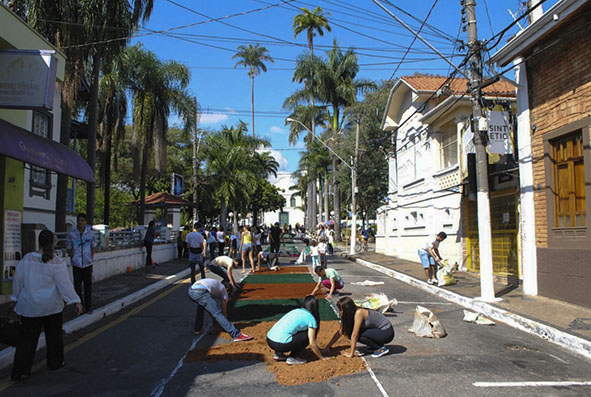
(293,212)
(552,61)
(427,116)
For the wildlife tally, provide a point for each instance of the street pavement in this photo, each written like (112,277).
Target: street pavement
(140,351)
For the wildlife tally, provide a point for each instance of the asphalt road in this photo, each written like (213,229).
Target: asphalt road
(140,352)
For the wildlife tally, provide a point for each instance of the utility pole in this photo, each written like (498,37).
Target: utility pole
(479,125)
(195,165)
(354,189)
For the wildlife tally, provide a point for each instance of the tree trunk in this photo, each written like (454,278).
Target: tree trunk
(313,210)
(320,201)
(224,215)
(252,102)
(107,167)
(91,148)
(61,201)
(337,200)
(235,222)
(143,174)
(326,205)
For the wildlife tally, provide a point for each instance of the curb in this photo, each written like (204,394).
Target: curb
(563,339)
(7,355)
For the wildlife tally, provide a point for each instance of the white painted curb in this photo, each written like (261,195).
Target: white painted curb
(7,355)
(570,342)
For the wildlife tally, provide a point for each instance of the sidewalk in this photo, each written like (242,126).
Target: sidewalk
(559,322)
(123,288)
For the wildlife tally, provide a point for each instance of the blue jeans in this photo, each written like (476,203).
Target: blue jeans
(196,259)
(204,301)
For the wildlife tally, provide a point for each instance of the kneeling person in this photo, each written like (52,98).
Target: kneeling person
(295,331)
(271,259)
(205,292)
(367,326)
(328,278)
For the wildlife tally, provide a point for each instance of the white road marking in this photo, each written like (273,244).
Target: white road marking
(424,303)
(159,389)
(531,384)
(369,370)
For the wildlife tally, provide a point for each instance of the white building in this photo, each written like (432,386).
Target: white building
(426,168)
(293,212)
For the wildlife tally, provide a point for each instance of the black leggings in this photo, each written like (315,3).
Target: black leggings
(298,344)
(375,337)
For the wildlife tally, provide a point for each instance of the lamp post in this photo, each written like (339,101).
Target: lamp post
(353,180)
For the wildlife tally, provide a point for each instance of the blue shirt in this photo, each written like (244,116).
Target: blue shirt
(293,322)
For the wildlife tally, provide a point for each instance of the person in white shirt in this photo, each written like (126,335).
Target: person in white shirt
(41,285)
(197,247)
(205,292)
(322,252)
(222,266)
(429,255)
(221,241)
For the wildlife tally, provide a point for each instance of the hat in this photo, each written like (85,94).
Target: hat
(277,223)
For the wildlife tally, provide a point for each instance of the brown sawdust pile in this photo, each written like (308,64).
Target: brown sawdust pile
(313,371)
(275,291)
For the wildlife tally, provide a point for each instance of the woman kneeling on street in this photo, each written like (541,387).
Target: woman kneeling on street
(295,331)
(367,326)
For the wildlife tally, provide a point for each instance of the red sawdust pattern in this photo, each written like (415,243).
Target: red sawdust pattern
(285,270)
(313,371)
(275,291)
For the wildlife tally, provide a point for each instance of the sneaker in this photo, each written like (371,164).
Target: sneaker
(435,282)
(336,293)
(278,356)
(382,351)
(295,360)
(199,331)
(242,337)
(430,282)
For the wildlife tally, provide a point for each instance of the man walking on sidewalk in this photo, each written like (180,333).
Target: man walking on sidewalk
(197,247)
(429,254)
(81,245)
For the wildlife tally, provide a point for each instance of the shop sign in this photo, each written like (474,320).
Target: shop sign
(12,243)
(500,135)
(27,79)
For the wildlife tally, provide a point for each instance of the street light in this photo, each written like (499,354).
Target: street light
(353,187)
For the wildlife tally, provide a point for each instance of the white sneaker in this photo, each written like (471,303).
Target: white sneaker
(295,360)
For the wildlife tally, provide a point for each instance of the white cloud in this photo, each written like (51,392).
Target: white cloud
(277,130)
(212,118)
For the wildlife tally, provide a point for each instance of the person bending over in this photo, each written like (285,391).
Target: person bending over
(223,266)
(205,292)
(328,278)
(367,326)
(295,331)
(429,255)
(270,259)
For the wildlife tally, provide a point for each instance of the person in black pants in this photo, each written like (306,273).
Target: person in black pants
(81,245)
(275,238)
(149,242)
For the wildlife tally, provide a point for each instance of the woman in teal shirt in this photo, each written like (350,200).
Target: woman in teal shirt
(294,332)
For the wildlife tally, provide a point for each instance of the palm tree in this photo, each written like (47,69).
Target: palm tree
(157,88)
(253,58)
(311,22)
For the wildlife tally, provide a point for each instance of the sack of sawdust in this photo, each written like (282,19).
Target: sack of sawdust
(477,318)
(377,301)
(426,324)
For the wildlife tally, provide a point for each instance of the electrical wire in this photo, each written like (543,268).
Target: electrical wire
(414,39)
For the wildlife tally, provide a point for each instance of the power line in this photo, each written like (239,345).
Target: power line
(414,39)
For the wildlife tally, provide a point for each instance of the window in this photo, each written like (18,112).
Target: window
(40,180)
(448,146)
(292,201)
(569,180)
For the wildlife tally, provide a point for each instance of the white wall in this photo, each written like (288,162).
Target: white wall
(283,182)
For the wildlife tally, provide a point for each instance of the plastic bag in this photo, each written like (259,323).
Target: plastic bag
(477,318)
(379,302)
(444,277)
(426,324)
(302,258)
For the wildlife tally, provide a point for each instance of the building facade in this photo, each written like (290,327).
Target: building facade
(552,59)
(293,212)
(428,117)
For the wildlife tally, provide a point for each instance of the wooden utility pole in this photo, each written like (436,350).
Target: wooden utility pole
(353,238)
(195,165)
(479,126)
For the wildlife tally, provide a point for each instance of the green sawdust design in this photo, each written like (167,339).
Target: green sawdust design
(273,309)
(278,278)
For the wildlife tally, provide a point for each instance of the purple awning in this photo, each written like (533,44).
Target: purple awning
(24,145)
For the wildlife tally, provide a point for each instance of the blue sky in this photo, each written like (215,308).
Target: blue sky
(224,92)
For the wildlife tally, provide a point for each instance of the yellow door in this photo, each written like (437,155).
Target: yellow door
(503,214)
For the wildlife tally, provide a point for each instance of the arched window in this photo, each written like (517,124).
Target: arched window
(292,201)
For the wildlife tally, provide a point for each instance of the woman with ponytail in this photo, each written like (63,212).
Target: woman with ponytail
(367,326)
(41,285)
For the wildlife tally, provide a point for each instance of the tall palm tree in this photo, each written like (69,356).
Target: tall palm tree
(253,58)
(157,88)
(311,22)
